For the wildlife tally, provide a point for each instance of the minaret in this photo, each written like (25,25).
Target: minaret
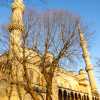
(16,28)
(89,67)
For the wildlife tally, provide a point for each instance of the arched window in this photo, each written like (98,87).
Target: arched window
(60,96)
(65,95)
(76,96)
(79,96)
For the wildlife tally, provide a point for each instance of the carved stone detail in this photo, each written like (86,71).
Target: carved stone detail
(16,27)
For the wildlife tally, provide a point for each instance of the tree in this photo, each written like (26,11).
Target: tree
(54,35)
(56,39)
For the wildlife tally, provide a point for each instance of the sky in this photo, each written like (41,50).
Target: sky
(87,9)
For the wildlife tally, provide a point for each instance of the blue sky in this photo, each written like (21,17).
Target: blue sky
(87,9)
(89,12)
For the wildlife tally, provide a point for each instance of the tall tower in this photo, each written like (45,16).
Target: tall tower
(16,28)
(87,60)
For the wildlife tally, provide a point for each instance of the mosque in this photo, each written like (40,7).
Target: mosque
(66,85)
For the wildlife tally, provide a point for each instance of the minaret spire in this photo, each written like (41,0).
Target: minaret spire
(16,28)
(89,67)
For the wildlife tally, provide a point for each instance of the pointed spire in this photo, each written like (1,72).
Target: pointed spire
(16,27)
(17,15)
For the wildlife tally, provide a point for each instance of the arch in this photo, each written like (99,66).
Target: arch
(76,96)
(68,98)
(93,98)
(64,94)
(85,97)
(72,95)
(79,96)
(60,96)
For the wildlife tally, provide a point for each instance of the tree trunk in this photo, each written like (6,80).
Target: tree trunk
(49,91)
(49,87)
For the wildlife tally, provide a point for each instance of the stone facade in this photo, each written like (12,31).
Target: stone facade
(66,85)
